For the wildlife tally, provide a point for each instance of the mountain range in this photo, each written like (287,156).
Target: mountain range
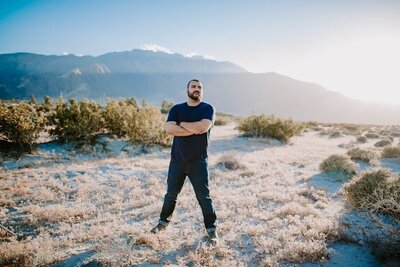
(156,76)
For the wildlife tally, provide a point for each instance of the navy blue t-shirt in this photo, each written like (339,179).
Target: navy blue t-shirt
(192,147)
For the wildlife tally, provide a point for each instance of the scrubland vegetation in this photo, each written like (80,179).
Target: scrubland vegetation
(268,211)
(72,120)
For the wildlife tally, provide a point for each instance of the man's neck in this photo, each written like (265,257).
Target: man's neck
(193,103)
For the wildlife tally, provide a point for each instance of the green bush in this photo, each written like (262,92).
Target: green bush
(20,124)
(360,154)
(220,121)
(75,120)
(391,152)
(310,124)
(383,143)
(349,128)
(372,135)
(117,114)
(375,189)
(230,162)
(146,126)
(166,106)
(361,139)
(225,118)
(46,106)
(264,126)
(335,134)
(395,134)
(339,163)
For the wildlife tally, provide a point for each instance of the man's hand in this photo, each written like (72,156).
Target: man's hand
(198,127)
(176,130)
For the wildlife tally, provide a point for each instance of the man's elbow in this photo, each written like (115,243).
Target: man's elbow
(203,129)
(169,128)
(205,126)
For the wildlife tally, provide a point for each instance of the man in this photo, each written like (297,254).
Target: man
(190,123)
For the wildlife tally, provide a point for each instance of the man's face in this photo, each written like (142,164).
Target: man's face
(195,91)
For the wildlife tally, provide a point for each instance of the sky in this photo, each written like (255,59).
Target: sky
(352,47)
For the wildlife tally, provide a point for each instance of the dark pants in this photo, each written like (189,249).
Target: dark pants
(197,171)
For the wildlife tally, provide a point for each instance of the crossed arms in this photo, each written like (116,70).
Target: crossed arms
(188,128)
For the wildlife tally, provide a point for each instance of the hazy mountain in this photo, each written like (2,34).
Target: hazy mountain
(156,76)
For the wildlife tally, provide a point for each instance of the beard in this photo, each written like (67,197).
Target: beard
(194,96)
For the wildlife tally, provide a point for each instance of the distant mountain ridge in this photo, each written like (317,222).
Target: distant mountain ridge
(134,61)
(155,76)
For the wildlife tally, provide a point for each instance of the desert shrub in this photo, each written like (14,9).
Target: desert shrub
(264,126)
(395,134)
(360,154)
(361,139)
(386,250)
(349,128)
(383,143)
(46,106)
(221,121)
(146,126)
(388,137)
(166,106)
(16,253)
(375,189)
(310,124)
(339,163)
(20,124)
(335,134)
(225,118)
(132,101)
(230,162)
(117,114)
(391,152)
(317,129)
(75,120)
(324,132)
(372,135)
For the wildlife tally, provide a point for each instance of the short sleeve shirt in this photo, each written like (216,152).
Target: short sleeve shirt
(188,148)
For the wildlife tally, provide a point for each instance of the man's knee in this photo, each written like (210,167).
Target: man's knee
(203,198)
(172,196)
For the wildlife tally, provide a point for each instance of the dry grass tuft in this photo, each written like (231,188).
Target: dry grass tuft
(338,163)
(361,139)
(207,255)
(59,212)
(111,253)
(15,253)
(372,135)
(383,143)
(361,154)
(230,162)
(375,190)
(391,152)
(335,134)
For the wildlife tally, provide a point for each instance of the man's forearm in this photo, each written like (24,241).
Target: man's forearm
(177,130)
(197,127)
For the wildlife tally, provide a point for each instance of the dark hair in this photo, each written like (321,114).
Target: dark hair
(192,80)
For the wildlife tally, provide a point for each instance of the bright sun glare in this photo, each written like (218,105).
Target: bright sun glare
(365,68)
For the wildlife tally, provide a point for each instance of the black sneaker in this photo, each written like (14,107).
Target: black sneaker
(213,237)
(159,227)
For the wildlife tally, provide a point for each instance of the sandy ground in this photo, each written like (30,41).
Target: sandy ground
(275,209)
